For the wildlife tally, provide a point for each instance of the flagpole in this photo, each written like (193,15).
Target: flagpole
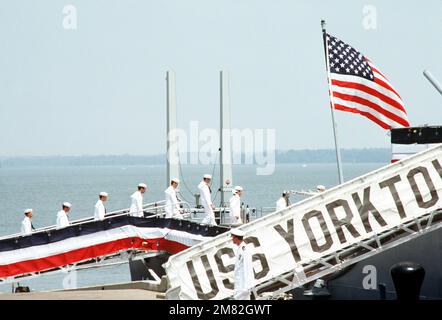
(338,151)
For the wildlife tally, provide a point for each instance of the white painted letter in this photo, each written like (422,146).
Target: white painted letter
(370,280)
(370,17)
(70,18)
(70,280)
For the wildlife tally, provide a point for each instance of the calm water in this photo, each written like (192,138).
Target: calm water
(45,188)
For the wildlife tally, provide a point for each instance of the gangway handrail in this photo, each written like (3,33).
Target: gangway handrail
(112,214)
(105,260)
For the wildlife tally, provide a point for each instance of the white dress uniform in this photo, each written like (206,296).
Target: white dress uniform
(99,211)
(172,205)
(62,219)
(136,208)
(26,226)
(206,201)
(281,204)
(243,274)
(235,209)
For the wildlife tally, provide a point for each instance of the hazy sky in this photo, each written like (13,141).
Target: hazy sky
(100,89)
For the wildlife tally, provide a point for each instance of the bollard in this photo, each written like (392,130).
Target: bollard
(382,291)
(21,289)
(407,278)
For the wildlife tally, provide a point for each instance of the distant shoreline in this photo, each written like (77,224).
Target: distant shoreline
(369,155)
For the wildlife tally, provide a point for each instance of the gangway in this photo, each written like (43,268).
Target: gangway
(86,243)
(320,235)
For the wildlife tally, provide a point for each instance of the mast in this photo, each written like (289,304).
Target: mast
(433,81)
(335,134)
(225,140)
(173,170)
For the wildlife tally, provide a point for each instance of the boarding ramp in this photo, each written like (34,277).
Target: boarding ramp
(320,235)
(86,243)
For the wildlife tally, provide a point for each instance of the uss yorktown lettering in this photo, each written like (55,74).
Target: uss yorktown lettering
(365,207)
(391,185)
(196,281)
(344,222)
(330,225)
(309,231)
(433,193)
(224,269)
(289,237)
(258,257)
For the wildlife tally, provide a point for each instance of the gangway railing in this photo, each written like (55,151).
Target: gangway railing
(121,212)
(156,209)
(106,260)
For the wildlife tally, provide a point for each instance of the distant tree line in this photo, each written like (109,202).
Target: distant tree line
(376,155)
(85,160)
(329,155)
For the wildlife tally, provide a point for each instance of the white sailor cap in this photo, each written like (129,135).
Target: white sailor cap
(103,194)
(142,185)
(239,188)
(207,176)
(237,232)
(28,211)
(176,180)
(320,187)
(67,204)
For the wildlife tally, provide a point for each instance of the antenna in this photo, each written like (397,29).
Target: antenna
(225,140)
(433,81)
(173,170)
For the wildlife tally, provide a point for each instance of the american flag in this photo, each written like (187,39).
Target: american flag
(359,87)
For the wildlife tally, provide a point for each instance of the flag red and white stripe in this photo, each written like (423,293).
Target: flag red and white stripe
(358,86)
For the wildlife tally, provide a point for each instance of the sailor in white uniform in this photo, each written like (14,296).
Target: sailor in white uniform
(244,277)
(100,209)
(206,200)
(284,201)
(26,224)
(62,215)
(136,208)
(172,206)
(235,205)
